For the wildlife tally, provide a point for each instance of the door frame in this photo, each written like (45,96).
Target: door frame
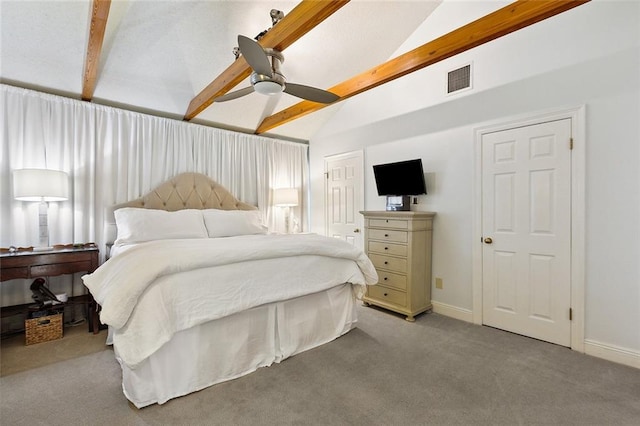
(357,154)
(578,207)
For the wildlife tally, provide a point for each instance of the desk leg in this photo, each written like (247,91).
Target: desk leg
(93,318)
(96,319)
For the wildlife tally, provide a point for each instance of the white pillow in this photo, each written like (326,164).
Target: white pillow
(140,225)
(229,223)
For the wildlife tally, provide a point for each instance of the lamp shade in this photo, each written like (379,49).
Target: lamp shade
(40,185)
(285,197)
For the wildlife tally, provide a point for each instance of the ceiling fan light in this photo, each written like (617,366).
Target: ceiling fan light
(267,87)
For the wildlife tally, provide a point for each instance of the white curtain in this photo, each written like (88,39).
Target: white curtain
(113,155)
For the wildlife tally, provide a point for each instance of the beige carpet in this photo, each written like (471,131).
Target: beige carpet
(16,357)
(436,371)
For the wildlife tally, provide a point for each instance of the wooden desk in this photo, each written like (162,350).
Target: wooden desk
(30,264)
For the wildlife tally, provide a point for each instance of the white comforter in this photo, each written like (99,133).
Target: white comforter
(184,283)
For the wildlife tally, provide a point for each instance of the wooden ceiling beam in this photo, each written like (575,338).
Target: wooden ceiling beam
(513,17)
(99,16)
(303,18)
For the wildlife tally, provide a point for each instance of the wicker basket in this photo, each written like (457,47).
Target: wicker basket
(43,329)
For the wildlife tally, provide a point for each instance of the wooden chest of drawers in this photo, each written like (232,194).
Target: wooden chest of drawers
(399,246)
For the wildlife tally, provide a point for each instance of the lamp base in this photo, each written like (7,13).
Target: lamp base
(42,248)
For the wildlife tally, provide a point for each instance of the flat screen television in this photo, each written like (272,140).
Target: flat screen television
(398,181)
(401,178)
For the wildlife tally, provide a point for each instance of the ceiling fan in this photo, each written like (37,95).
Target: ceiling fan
(267,79)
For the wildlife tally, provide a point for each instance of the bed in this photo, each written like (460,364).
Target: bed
(197,292)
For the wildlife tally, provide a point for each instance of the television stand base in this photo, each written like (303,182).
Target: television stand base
(398,203)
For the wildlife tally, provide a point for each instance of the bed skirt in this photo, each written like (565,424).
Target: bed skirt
(237,345)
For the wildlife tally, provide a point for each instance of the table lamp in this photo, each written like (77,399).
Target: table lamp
(286,197)
(41,185)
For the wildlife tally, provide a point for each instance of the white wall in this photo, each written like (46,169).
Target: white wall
(587,56)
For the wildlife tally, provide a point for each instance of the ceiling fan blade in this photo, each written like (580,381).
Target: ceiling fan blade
(310,93)
(255,56)
(234,95)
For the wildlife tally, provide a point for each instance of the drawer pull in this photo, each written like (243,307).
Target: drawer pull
(386,248)
(385,278)
(385,294)
(386,235)
(386,263)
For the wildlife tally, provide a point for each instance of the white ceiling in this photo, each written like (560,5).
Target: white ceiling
(157,55)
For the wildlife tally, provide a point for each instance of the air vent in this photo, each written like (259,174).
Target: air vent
(459,79)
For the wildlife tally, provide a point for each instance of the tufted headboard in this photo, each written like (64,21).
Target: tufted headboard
(184,191)
(188,191)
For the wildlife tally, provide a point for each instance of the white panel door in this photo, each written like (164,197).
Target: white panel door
(344,197)
(526,228)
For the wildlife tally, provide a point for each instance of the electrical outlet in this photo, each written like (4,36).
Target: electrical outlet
(439,283)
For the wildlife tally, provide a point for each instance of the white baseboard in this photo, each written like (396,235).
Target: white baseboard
(612,353)
(452,311)
(609,352)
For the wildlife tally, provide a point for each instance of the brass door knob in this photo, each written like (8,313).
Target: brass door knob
(356,231)
(488,240)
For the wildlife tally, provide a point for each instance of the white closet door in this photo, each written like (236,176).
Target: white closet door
(526,227)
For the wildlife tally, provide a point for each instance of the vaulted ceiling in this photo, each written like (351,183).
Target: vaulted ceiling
(173,58)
